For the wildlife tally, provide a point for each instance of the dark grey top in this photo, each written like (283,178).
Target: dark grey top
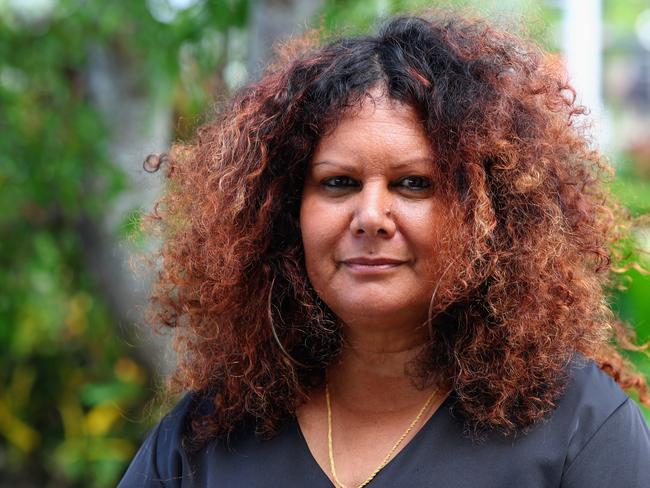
(595,438)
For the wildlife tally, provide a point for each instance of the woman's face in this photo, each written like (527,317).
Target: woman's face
(372,222)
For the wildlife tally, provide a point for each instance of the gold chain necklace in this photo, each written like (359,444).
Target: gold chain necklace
(390,453)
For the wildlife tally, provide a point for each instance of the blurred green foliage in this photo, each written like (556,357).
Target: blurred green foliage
(73,399)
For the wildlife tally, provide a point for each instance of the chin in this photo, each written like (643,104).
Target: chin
(376,309)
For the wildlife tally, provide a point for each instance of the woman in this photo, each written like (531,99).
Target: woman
(385,262)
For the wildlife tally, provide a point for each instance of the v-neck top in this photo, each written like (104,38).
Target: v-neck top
(595,438)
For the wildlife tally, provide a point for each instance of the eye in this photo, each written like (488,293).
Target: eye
(416,183)
(338,182)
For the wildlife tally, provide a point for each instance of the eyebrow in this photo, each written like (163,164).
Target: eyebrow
(397,165)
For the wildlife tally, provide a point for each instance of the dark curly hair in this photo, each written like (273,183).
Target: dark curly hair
(527,288)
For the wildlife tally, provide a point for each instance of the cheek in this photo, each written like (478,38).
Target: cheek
(321,223)
(443,247)
(421,226)
(318,232)
(309,230)
(429,234)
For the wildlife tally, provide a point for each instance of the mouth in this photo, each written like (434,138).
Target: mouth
(371,266)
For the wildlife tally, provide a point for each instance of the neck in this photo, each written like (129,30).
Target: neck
(371,372)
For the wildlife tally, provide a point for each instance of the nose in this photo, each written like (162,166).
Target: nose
(373,212)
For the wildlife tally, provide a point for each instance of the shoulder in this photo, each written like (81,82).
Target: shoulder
(590,391)
(161,459)
(591,396)
(602,423)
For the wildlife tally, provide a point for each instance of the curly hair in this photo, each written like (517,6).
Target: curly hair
(530,277)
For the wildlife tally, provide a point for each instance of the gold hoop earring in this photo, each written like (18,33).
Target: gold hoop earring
(269,311)
(433,295)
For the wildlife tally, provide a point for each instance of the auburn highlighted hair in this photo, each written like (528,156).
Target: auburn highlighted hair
(528,284)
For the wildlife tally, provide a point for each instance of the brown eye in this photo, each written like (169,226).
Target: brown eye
(415,183)
(336,182)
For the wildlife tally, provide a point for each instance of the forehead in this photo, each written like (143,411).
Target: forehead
(380,129)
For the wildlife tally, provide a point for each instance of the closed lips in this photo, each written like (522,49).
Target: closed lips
(373,262)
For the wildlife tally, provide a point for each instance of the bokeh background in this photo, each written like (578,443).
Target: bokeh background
(88,88)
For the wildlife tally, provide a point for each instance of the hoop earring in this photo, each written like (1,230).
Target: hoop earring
(433,295)
(269,311)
